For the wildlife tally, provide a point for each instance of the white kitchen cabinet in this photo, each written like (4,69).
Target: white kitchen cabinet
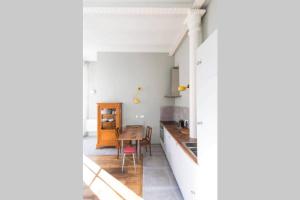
(162,141)
(168,146)
(186,175)
(207,85)
(183,167)
(178,168)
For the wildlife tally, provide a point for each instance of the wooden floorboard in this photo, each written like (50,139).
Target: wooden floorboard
(133,180)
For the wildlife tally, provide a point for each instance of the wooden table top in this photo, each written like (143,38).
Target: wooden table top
(132,133)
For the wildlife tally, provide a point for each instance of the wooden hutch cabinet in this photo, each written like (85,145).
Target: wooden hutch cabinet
(109,118)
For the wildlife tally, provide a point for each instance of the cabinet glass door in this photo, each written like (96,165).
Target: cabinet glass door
(108,118)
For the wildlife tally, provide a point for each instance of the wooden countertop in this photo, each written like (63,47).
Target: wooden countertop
(171,126)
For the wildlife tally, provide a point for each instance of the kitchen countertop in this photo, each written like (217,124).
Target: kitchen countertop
(171,126)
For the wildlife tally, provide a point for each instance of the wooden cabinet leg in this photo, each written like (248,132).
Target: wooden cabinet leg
(118,152)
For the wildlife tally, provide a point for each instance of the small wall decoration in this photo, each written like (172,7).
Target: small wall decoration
(136,99)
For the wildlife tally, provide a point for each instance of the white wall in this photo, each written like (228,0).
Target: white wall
(182,61)
(209,20)
(116,76)
(85,96)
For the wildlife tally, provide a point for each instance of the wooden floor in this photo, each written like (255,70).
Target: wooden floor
(110,164)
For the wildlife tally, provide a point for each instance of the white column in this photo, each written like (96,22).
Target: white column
(193,22)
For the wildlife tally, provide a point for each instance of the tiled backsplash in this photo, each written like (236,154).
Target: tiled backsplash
(181,113)
(167,113)
(174,113)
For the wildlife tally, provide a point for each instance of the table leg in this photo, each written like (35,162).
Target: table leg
(122,145)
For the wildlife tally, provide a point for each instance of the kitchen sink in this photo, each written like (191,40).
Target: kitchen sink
(191,144)
(194,152)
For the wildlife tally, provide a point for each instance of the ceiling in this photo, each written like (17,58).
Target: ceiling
(133,26)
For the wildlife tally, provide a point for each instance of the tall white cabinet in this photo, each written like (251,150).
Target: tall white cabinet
(207,85)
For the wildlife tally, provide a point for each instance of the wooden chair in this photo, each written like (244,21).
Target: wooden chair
(118,143)
(146,141)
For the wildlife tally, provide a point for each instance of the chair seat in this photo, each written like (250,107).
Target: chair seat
(129,149)
(144,141)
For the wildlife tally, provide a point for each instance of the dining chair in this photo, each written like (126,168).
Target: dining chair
(146,141)
(127,151)
(118,145)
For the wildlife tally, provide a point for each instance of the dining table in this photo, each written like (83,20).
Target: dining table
(130,133)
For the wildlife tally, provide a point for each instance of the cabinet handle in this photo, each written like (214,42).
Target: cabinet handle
(200,123)
(193,192)
(198,62)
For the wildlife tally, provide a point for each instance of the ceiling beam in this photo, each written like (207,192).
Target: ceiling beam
(91,55)
(178,41)
(135,11)
(137,3)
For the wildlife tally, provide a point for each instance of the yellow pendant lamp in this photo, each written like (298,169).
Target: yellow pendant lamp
(136,99)
(182,88)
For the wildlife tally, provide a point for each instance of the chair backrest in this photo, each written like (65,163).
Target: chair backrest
(148,133)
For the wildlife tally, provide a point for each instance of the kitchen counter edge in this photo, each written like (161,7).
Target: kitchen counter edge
(171,126)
